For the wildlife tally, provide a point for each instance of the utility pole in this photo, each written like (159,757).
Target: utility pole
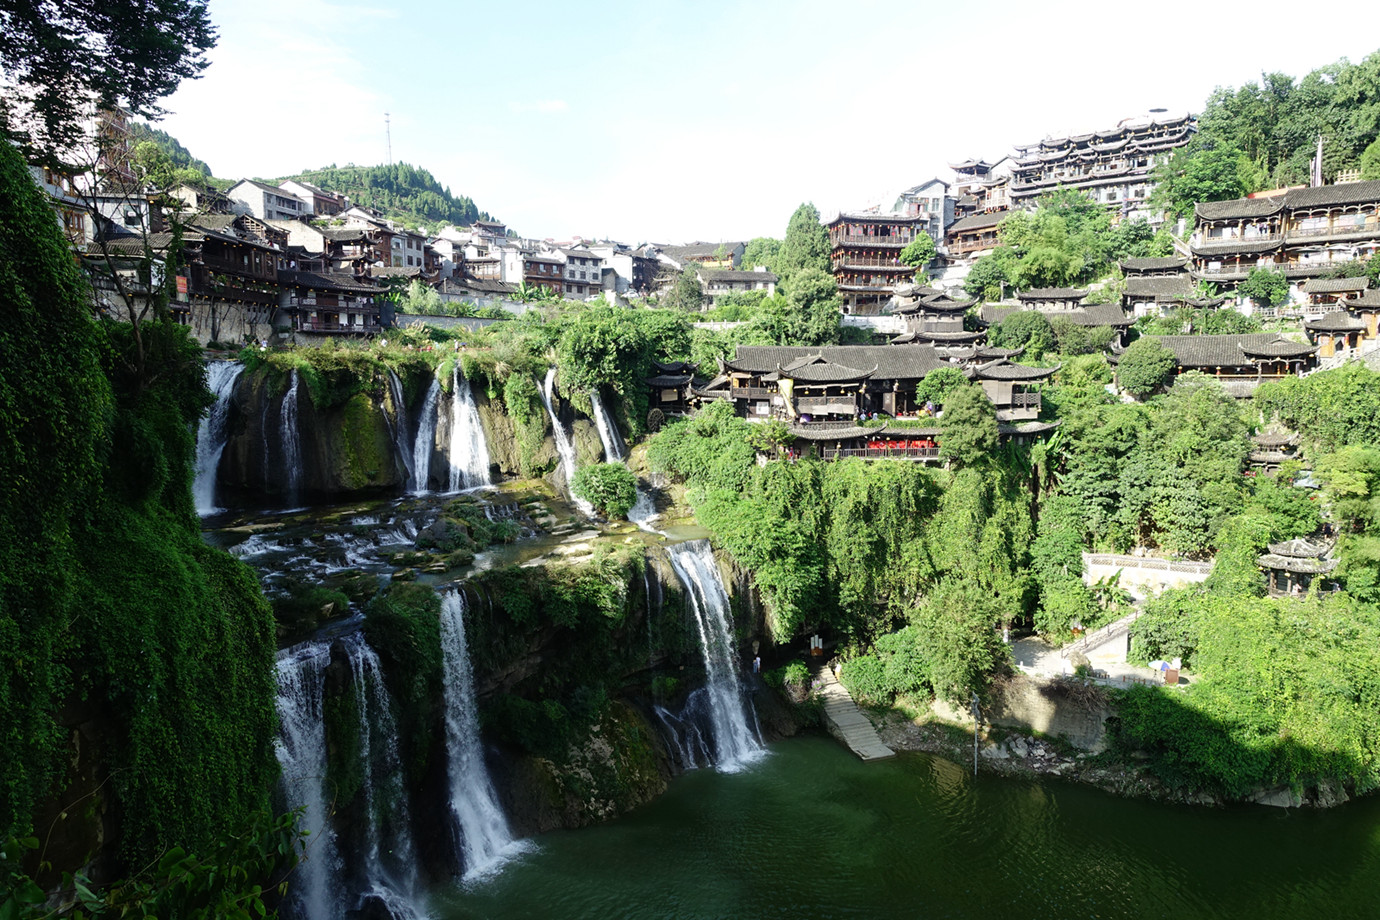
(977,724)
(388,133)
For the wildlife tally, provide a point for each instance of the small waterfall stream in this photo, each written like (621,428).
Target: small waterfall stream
(290,436)
(735,742)
(643,511)
(469,452)
(564,447)
(301,748)
(484,838)
(389,870)
(401,447)
(423,443)
(210,435)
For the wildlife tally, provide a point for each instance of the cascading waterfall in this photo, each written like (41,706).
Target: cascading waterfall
(301,750)
(564,447)
(735,743)
(484,838)
(423,443)
(291,438)
(389,869)
(210,435)
(399,424)
(469,452)
(643,511)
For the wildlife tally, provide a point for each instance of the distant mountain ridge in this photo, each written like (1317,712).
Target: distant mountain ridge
(401,191)
(180,156)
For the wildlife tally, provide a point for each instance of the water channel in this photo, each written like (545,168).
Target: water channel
(811,832)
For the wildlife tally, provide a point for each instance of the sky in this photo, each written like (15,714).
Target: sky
(710,120)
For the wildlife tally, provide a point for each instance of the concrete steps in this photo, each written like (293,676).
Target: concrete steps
(845,722)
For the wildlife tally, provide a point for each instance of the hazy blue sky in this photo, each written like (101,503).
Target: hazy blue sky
(711,120)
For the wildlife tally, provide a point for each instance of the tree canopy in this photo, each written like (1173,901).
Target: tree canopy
(68,56)
(1145,366)
(806,244)
(400,190)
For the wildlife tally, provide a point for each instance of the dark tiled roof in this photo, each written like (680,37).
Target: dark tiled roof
(221,223)
(329,281)
(730,275)
(1002,369)
(892,362)
(993,313)
(669,380)
(1221,350)
(821,371)
(1152,264)
(344,234)
(1336,321)
(1160,287)
(1226,247)
(1368,301)
(1100,314)
(1335,285)
(1052,294)
(960,338)
(1346,193)
(1270,439)
(468,285)
(977,221)
(673,367)
(699,250)
(397,271)
(1238,208)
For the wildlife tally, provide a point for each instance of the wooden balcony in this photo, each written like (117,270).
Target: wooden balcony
(749,393)
(883,453)
(888,241)
(827,405)
(321,326)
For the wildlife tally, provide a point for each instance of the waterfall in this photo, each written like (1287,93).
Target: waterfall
(301,750)
(614,449)
(643,511)
(210,435)
(423,443)
(291,439)
(563,445)
(389,870)
(484,838)
(399,424)
(735,743)
(469,453)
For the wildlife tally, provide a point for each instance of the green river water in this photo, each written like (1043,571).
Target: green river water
(811,832)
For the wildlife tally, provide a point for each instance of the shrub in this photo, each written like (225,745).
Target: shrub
(610,487)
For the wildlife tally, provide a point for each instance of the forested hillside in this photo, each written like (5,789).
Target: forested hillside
(400,191)
(180,156)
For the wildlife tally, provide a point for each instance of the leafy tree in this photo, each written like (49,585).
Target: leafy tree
(1370,162)
(938,384)
(610,487)
(1026,329)
(920,252)
(1205,169)
(969,426)
(1331,409)
(685,295)
(400,190)
(1145,366)
(1266,287)
(764,251)
(737,306)
(1074,339)
(806,244)
(67,56)
(986,278)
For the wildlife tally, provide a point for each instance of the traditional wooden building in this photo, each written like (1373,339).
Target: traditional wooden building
(1292,567)
(717,282)
(1324,294)
(1270,451)
(332,303)
(670,388)
(932,316)
(865,250)
(1112,166)
(1156,285)
(1241,362)
(832,381)
(1012,388)
(973,236)
(723,256)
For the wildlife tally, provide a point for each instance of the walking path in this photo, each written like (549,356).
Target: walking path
(845,722)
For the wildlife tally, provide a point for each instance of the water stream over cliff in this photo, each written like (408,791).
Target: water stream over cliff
(564,447)
(484,841)
(643,511)
(210,436)
(469,452)
(315,893)
(402,448)
(290,437)
(735,742)
(423,443)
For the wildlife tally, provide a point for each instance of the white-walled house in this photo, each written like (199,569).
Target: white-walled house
(266,202)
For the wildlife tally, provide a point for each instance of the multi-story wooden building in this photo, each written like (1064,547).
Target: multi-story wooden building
(1112,167)
(973,236)
(717,282)
(865,250)
(1304,233)
(1240,362)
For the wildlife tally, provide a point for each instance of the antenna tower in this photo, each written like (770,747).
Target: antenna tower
(388,133)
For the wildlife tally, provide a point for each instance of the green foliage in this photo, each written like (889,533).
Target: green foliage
(988,276)
(1074,339)
(938,384)
(1286,692)
(1145,366)
(806,244)
(1268,288)
(402,624)
(107,592)
(1207,168)
(1370,162)
(920,252)
(610,487)
(1330,409)
(970,426)
(685,295)
(1186,321)
(1026,329)
(401,191)
(955,628)
(895,667)
(764,251)
(178,156)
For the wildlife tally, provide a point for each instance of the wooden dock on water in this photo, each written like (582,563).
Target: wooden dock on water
(845,722)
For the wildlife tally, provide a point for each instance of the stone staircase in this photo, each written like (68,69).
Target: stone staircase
(845,722)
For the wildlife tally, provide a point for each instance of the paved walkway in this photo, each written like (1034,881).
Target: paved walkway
(845,722)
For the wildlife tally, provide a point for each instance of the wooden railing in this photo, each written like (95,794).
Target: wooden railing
(749,392)
(883,453)
(1022,400)
(320,326)
(832,404)
(851,240)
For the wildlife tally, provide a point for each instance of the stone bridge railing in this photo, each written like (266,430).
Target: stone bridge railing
(1144,571)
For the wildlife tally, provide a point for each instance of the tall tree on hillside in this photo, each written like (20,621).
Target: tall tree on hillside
(806,244)
(63,58)
(764,251)
(686,294)
(1206,169)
